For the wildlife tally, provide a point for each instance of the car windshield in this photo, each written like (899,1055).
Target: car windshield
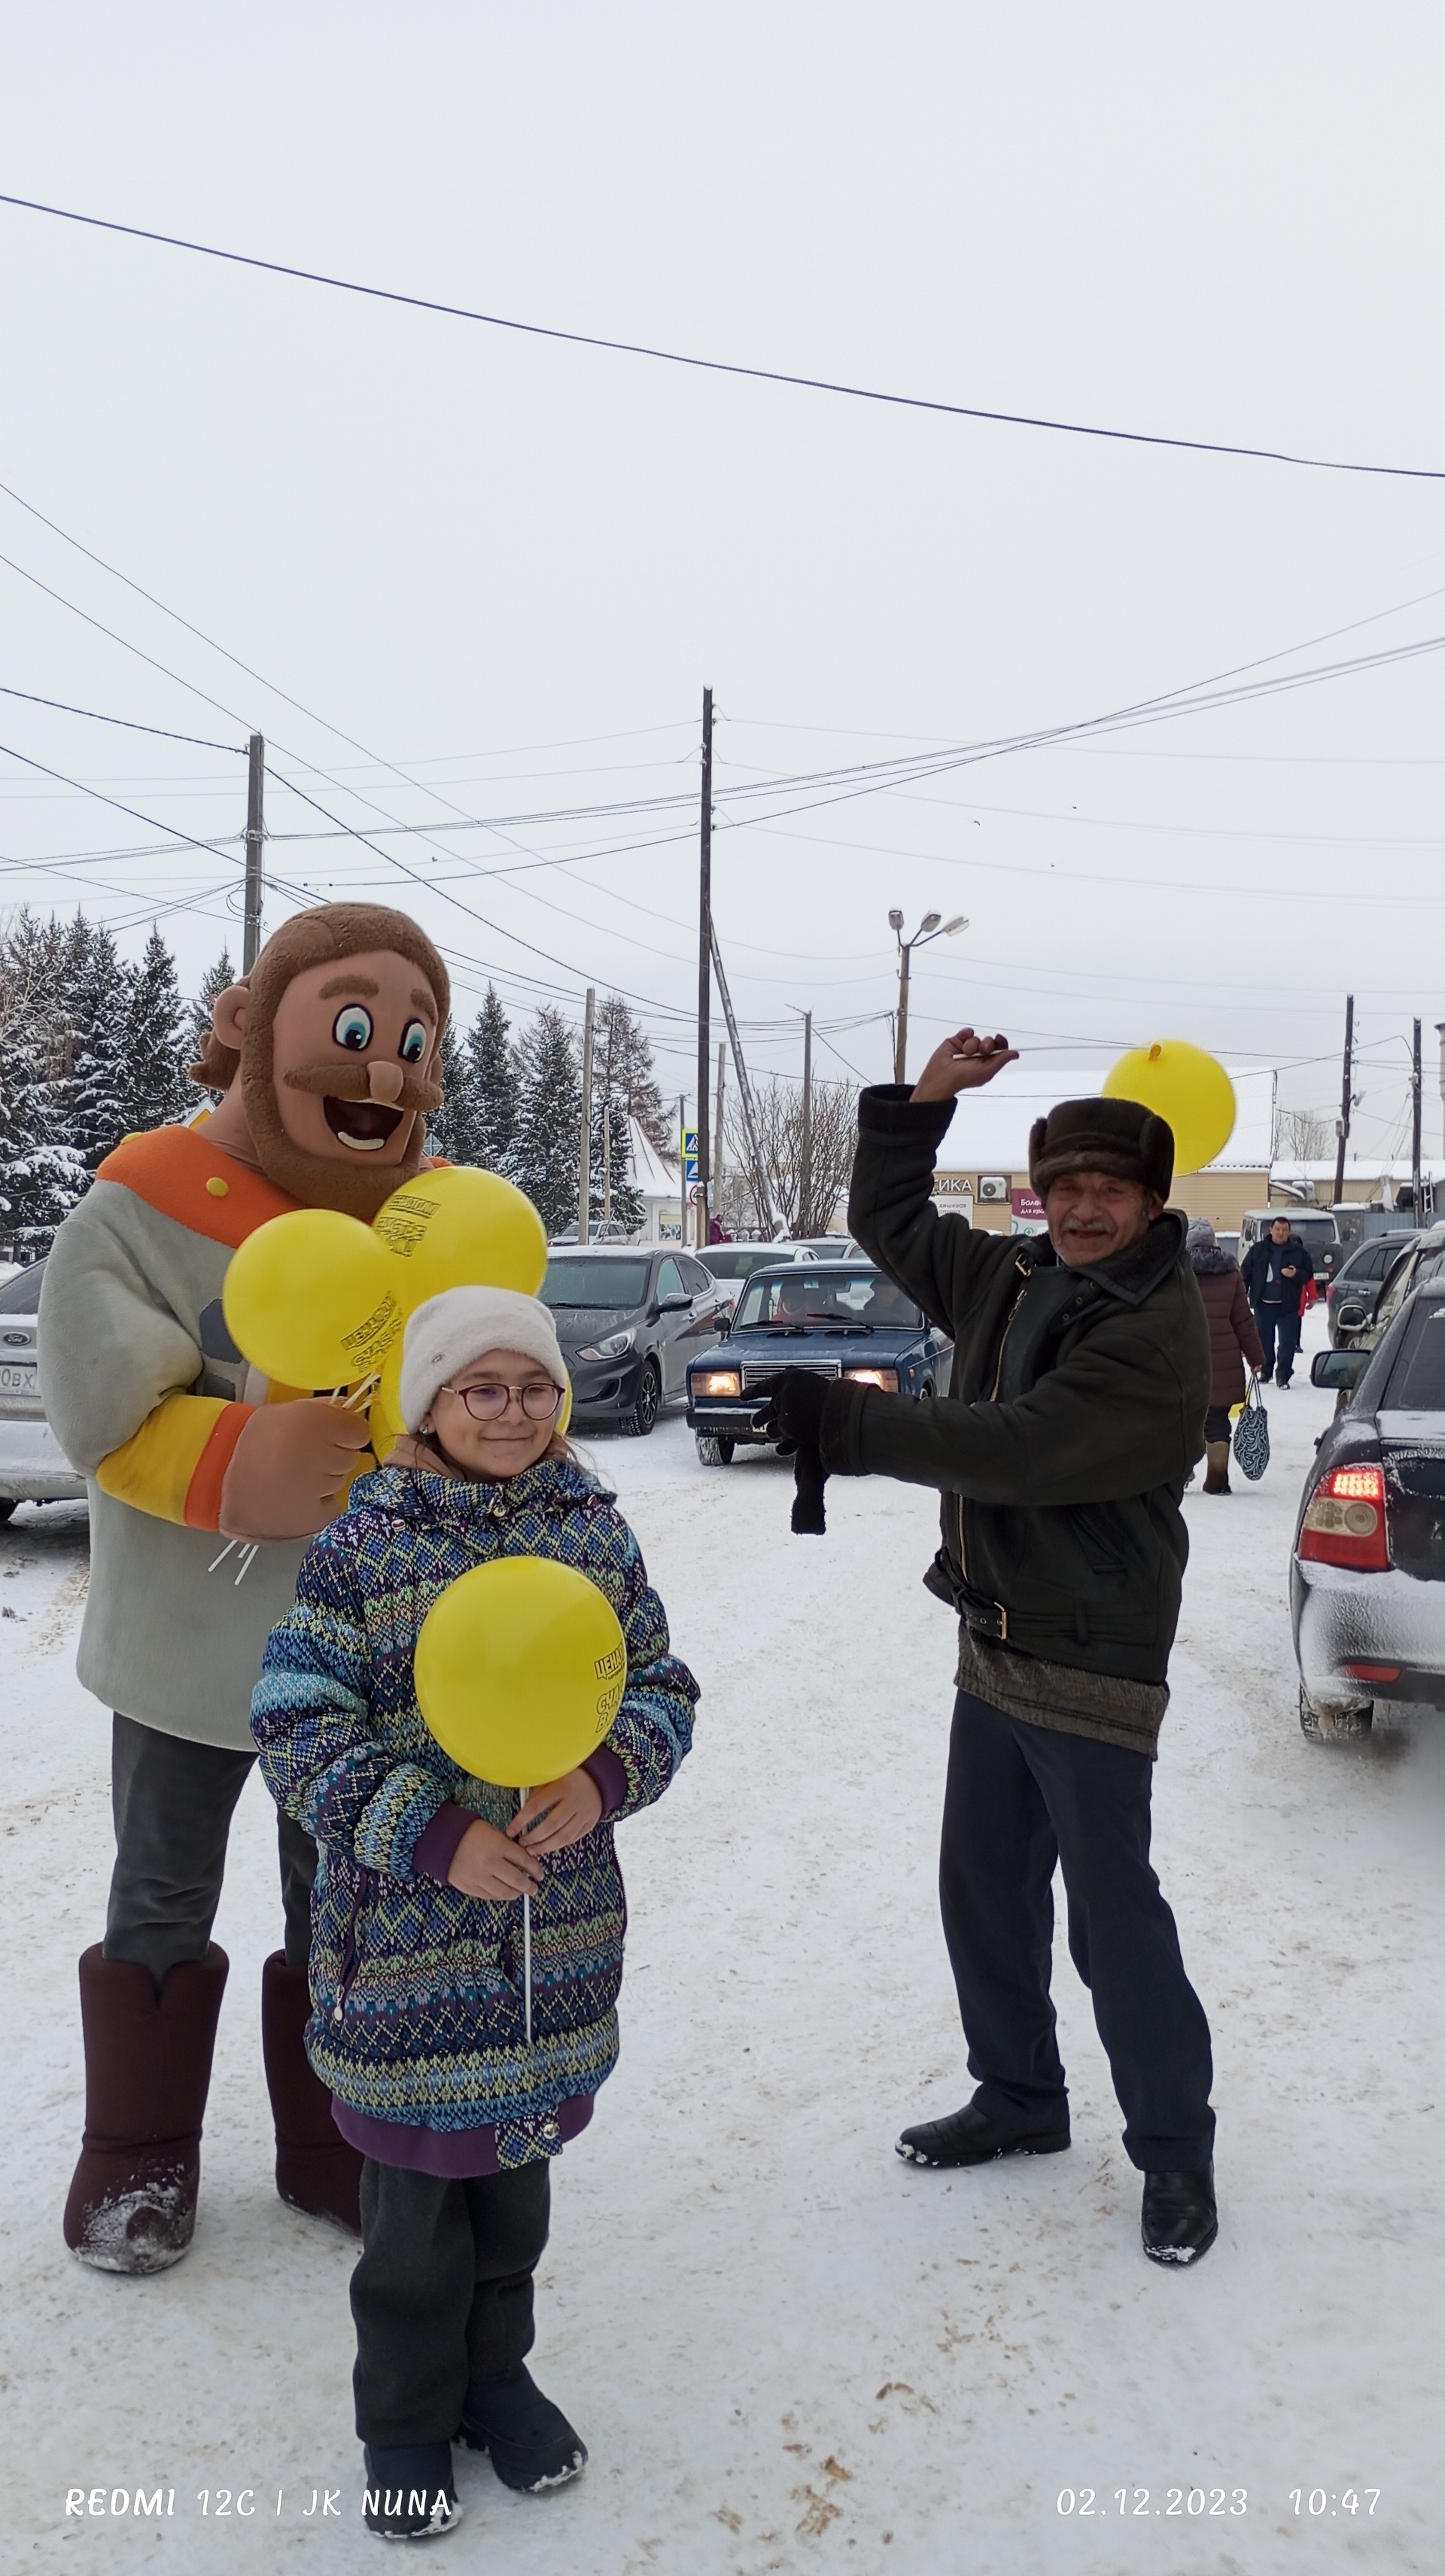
(828,1299)
(733,1260)
(594,1283)
(21,1295)
(1417,1380)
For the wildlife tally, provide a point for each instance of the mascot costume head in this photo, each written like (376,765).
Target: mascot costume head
(329,1054)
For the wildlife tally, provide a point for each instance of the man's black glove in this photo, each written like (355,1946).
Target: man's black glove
(795,1418)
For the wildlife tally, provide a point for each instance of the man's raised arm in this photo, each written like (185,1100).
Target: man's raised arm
(890,1202)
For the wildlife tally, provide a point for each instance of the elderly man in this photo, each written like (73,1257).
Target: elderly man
(1276,1272)
(1080,1381)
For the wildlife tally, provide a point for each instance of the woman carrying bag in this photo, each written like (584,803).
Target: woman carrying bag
(1233,1341)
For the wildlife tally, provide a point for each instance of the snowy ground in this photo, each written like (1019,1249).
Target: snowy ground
(786,2349)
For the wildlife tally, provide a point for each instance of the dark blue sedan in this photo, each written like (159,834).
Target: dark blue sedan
(842,1318)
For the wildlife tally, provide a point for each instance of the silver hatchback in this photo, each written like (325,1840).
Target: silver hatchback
(33,1467)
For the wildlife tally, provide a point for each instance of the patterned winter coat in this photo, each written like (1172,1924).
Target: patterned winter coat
(417,1989)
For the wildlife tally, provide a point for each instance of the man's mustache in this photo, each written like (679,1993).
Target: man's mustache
(353,1082)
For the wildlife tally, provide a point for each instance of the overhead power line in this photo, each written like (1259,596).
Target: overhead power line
(724,366)
(127,723)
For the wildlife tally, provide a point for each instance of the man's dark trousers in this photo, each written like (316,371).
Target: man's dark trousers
(1279,1331)
(1019,1799)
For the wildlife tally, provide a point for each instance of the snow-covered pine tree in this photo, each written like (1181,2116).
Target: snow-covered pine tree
(41,1174)
(100,1080)
(494,1083)
(214,981)
(454,1132)
(158,1093)
(543,1156)
(614,1194)
(622,1066)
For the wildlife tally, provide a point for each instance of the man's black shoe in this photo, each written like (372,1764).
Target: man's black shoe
(1179,2221)
(975,2136)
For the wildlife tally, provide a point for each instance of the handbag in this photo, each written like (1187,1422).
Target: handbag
(1251,1435)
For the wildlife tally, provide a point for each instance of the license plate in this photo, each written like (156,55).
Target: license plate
(17,1377)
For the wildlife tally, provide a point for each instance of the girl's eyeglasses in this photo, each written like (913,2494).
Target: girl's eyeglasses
(487,1403)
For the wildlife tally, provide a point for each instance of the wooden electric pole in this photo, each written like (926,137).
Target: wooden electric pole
(255,834)
(719,1156)
(704,970)
(805,1182)
(1416,1105)
(1343,1130)
(584,1152)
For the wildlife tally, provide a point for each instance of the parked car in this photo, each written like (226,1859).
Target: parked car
(1367,1578)
(1358,1277)
(1315,1227)
(33,1468)
(732,1263)
(604,1230)
(628,1321)
(842,1318)
(1359,1323)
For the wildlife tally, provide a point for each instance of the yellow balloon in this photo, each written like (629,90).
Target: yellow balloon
(1183,1085)
(520,1670)
(310,1299)
(459,1228)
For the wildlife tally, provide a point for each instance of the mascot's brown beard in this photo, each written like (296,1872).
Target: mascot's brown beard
(321,1180)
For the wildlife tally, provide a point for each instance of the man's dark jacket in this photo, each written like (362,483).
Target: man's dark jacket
(1074,1413)
(1254,1270)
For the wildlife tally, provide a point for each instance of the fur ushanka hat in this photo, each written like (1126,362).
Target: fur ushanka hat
(1121,1137)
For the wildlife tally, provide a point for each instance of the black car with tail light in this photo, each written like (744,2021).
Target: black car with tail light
(842,1318)
(1367,1578)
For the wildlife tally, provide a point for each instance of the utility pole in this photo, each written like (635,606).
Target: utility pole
(704,969)
(900,1026)
(1415,1108)
(1440,1033)
(682,1165)
(719,1157)
(1343,1130)
(584,1153)
(805,1179)
(255,834)
(749,1106)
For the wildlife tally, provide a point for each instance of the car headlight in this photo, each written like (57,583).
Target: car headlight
(885,1379)
(611,1349)
(717,1382)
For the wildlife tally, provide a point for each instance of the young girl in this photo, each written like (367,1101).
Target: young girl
(416,1962)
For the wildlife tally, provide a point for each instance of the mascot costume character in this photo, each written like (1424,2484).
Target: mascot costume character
(327,1056)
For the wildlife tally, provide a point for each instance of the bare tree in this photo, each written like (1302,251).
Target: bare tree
(1303,1136)
(805,1200)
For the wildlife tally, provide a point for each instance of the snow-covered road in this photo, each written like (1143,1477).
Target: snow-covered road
(786,2349)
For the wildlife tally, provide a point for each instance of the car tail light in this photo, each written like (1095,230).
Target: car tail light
(885,1379)
(1372,1672)
(1345,1522)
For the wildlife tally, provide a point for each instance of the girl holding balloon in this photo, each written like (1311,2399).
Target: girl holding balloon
(467,1950)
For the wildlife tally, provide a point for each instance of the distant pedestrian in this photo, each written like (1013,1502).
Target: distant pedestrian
(1275,1271)
(1234,1343)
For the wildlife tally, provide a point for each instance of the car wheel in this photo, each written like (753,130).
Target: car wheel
(714,1449)
(7,1509)
(647,1403)
(927,1391)
(1331,1725)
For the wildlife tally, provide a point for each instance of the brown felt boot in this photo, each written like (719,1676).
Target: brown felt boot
(132,2204)
(1216,1462)
(316,2171)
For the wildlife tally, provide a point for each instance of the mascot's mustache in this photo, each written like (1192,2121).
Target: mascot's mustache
(353,1082)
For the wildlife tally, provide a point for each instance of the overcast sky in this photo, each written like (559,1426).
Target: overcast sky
(509,567)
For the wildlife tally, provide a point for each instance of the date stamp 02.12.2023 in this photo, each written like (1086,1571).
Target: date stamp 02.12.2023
(1312,2504)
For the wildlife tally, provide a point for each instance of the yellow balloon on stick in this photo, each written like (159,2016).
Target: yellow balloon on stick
(310,1299)
(520,1670)
(1184,1086)
(459,1228)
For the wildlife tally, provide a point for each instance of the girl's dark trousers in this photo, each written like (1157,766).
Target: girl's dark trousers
(442,2294)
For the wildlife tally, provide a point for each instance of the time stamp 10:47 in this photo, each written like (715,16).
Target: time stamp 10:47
(1308,2503)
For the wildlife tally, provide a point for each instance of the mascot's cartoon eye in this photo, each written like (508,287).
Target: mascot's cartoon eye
(353,1028)
(413,1042)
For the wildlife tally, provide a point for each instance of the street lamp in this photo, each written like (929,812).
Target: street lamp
(932,926)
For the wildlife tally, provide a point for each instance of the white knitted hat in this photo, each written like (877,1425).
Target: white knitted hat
(459,1326)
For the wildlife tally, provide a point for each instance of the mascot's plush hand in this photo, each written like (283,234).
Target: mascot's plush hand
(288,1469)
